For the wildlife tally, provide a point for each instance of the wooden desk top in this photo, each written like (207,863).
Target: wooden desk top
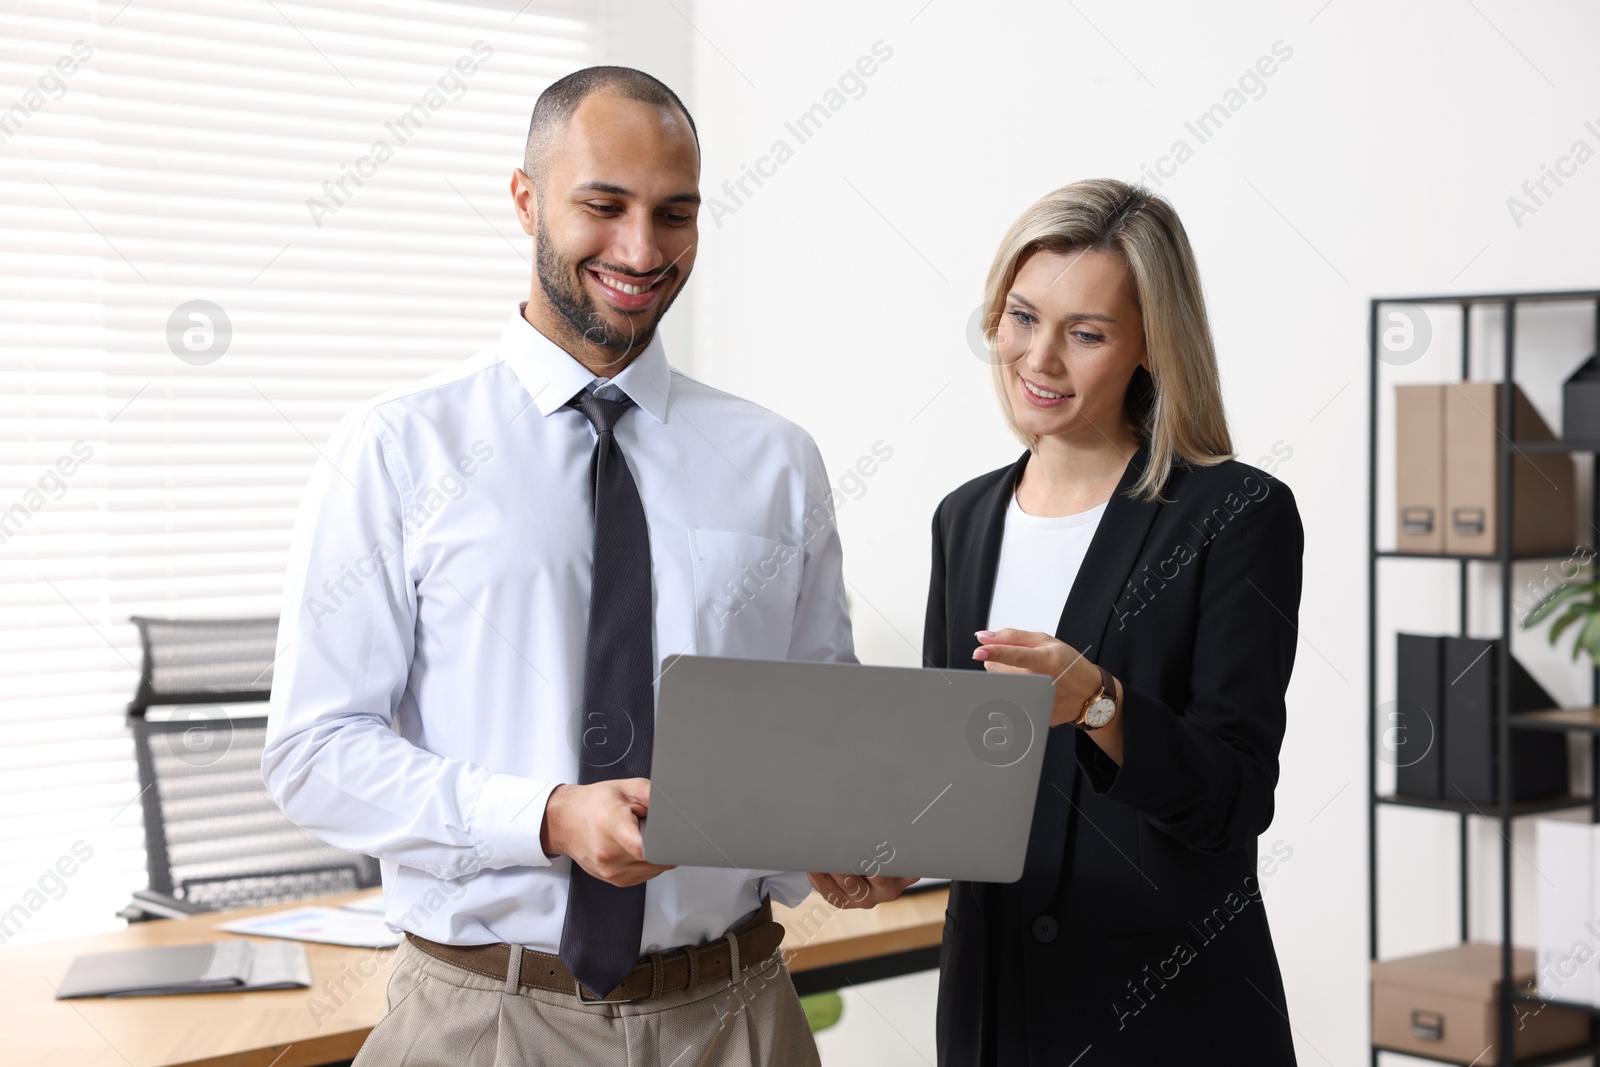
(328,1022)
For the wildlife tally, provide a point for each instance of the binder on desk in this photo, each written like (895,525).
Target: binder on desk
(212,967)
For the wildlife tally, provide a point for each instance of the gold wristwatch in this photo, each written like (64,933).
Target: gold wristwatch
(1101,708)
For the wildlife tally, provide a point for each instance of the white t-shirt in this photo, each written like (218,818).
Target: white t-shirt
(1039,559)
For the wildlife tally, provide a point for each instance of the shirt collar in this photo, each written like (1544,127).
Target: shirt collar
(552,377)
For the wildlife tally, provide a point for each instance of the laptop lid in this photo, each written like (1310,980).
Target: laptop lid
(845,768)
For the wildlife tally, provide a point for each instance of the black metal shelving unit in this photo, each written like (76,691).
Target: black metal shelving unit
(1506,810)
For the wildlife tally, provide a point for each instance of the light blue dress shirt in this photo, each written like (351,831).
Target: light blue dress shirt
(432,639)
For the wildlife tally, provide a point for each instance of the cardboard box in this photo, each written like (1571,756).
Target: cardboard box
(1446,1005)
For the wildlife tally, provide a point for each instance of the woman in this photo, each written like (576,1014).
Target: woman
(1128,556)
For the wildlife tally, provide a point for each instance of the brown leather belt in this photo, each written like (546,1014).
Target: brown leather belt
(657,972)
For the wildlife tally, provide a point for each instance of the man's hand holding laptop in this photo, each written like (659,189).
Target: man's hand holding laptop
(598,827)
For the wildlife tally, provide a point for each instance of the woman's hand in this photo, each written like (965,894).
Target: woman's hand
(1031,652)
(856,891)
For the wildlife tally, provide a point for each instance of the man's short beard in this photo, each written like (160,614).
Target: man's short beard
(567,295)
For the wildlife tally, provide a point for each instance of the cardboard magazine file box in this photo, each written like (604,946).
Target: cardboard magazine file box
(1446,1005)
(1419,468)
(1542,511)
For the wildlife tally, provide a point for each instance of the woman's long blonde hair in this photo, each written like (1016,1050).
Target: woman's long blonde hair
(1176,405)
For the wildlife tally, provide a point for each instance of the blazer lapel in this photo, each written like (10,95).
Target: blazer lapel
(980,559)
(1112,552)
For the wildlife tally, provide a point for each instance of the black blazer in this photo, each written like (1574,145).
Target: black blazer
(1137,930)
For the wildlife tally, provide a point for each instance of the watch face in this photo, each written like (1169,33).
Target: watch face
(1100,712)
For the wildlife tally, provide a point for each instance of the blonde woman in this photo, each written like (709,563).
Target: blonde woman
(1127,555)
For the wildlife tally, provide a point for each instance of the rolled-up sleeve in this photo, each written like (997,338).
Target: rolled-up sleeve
(332,759)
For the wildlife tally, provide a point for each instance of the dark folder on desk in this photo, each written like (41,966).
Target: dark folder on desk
(214,967)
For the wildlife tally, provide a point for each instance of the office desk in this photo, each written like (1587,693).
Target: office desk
(328,1022)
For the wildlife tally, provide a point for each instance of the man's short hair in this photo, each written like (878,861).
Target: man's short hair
(556,104)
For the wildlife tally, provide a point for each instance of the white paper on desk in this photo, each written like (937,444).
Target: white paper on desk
(371,904)
(329,926)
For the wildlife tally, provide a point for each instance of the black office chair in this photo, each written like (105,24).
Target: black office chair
(214,839)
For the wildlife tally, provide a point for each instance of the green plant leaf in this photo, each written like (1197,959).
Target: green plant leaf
(1560,626)
(1548,602)
(1588,638)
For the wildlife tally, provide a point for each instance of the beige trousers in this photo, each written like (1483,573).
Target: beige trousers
(440,1015)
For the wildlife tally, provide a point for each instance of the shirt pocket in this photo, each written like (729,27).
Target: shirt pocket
(746,587)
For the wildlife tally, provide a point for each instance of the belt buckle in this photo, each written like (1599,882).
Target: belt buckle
(578,987)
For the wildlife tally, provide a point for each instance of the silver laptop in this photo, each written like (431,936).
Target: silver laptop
(844,768)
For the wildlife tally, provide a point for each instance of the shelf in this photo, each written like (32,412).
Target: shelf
(1466,807)
(1578,1053)
(1556,446)
(1575,296)
(1558,719)
(1473,353)
(1566,1005)
(1516,557)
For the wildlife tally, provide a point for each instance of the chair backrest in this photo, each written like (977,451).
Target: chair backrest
(213,836)
(204,661)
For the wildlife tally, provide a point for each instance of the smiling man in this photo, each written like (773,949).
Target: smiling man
(476,707)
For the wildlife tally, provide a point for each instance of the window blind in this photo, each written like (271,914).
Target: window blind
(224,225)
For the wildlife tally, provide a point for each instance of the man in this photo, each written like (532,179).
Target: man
(485,576)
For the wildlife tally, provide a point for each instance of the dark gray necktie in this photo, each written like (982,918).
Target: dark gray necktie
(604,923)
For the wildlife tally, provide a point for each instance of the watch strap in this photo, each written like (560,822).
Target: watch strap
(1108,688)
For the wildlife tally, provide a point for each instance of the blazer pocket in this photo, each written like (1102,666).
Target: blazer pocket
(746,587)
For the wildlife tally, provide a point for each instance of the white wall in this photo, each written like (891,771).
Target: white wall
(1378,161)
